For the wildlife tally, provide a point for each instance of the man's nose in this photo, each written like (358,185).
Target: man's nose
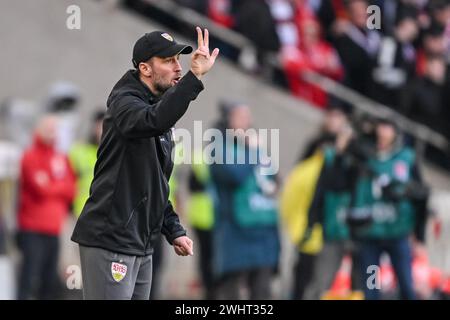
(178,67)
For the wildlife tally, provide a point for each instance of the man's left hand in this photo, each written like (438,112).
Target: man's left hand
(183,246)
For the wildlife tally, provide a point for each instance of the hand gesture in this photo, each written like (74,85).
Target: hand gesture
(183,246)
(202,60)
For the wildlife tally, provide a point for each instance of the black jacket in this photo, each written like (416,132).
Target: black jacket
(128,204)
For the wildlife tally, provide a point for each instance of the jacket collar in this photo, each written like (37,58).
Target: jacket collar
(130,83)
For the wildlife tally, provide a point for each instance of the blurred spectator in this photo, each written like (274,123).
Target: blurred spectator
(383,215)
(13,139)
(254,20)
(83,157)
(323,242)
(424,100)
(358,48)
(395,65)
(433,44)
(301,219)
(63,99)
(323,10)
(337,243)
(283,13)
(17,117)
(197,5)
(47,188)
(439,11)
(391,10)
(246,242)
(10,155)
(158,252)
(313,54)
(335,119)
(200,210)
(388,9)
(222,12)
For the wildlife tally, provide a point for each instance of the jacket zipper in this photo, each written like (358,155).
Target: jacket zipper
(134,210)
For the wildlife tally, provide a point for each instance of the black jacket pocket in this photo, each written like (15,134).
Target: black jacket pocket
(136,208)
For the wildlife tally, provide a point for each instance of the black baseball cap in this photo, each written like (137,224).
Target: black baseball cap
(157,44)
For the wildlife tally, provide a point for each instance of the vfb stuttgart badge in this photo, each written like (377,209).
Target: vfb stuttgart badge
(118,271)
(167,36)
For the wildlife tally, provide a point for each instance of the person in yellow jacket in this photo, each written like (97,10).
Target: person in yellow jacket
(200,210)
(305,217)
(83,157)
(158,252)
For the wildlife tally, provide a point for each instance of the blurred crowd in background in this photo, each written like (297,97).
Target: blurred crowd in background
(402,62)
(355,205)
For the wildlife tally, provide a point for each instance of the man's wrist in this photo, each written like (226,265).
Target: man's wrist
(199,76)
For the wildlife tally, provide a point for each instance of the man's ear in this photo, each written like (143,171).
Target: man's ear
(145,69)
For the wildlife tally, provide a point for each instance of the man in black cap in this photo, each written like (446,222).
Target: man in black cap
(128,204)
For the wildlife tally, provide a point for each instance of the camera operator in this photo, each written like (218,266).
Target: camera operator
(388,202)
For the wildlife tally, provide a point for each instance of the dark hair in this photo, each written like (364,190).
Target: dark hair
(338,104)
(387,121)
(405,13)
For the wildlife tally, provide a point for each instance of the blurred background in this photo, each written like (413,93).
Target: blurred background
(314,69)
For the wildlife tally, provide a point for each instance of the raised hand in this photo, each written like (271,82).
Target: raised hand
(202,60)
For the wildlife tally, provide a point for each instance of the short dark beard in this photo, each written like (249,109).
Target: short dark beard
(161,88)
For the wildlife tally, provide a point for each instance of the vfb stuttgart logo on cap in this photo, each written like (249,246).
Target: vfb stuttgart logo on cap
(118,271)
(167,36)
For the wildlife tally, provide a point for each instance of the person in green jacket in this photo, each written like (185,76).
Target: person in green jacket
(83,157)
(387,207)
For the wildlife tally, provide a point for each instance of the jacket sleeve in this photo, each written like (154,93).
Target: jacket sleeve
(136,119)
(171,227)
